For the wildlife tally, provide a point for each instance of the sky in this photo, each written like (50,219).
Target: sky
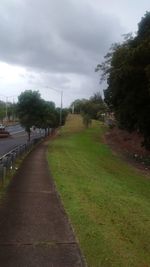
(55,45)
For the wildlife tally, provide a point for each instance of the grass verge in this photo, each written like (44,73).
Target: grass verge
(106,199)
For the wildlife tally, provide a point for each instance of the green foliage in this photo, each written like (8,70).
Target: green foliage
(64,113)
(47,117)
(32,110)
(29,109)
(94,107)
(77,105)
(87,120)
(2,110)
(11,111)
(144,26)
(7,109)
(127,70)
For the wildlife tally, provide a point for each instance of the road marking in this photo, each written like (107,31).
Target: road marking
(18,132)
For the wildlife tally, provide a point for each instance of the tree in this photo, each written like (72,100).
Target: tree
(97,98)
(93,107)
(2,111)
(11,111)
(29,109)
(127,70)
(86,120)
(49,116)
(64,113)
(77,105)
(32,110)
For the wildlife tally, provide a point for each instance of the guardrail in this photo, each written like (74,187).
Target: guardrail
(7,162)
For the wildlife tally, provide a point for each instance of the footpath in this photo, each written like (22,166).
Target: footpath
(34,228)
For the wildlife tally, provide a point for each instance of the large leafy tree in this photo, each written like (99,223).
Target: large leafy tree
(127,70)
(29,109)
(48,116)
(32,110)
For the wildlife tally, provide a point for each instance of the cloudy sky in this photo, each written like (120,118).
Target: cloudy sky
(56,44)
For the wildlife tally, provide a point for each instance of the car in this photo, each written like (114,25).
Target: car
(2,127)
(3,132)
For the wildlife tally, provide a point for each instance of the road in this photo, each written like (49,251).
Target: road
(15,129)
(18,136)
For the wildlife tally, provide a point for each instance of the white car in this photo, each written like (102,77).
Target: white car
(2,127)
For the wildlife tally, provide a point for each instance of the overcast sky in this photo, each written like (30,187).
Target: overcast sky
(58,43)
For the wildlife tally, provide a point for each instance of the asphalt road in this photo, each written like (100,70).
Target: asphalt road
(17,137)
(15,129)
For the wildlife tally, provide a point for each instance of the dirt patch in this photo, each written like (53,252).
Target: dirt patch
(129,146)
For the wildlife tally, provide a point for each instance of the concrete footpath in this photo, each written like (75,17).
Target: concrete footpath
(34,229)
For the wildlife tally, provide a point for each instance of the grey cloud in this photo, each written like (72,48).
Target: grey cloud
(59,42)
(55,36)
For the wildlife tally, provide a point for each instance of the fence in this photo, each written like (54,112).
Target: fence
(7,162)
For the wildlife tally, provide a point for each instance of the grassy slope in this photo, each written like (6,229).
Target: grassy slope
(106,199)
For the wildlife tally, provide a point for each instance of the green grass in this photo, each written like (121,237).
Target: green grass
(107,200)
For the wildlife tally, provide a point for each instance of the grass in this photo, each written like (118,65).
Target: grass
(106,199)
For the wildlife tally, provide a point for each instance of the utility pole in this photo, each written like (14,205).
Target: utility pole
(61,102)
(61,106)
(6,110)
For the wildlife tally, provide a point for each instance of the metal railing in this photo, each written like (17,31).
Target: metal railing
(8,161)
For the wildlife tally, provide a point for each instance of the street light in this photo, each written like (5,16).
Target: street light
(61,102)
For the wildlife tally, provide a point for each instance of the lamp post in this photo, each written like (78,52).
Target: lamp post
(61,106)
(6,109)
(61,102)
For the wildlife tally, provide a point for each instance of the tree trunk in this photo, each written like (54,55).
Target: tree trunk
(29,135)
(45,132)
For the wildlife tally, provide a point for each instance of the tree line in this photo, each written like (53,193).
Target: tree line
(126,68)
(7,109)
(92,108)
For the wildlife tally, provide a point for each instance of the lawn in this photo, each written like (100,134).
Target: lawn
(107,200)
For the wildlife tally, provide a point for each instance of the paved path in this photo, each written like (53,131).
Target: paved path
(34,229)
